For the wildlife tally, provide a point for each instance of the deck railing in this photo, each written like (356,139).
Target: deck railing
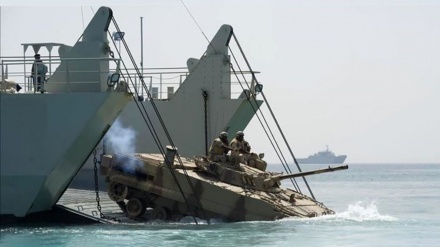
(162,83)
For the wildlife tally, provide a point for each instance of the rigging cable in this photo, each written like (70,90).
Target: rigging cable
(189,12)
(273,116)
(288,168)
(153,131)
(276,147)
(262,125)
(82,15)
(150,126)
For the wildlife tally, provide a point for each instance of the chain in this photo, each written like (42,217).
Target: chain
(98,205)
(205,97)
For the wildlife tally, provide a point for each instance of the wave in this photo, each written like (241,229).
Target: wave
(358,212)
(361,211)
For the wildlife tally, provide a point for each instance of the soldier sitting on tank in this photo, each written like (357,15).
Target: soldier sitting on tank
(241,149)
(220,148)
(243,153)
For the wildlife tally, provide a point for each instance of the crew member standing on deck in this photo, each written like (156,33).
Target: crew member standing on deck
(38,73)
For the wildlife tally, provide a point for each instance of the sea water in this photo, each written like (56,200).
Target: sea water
(375,204)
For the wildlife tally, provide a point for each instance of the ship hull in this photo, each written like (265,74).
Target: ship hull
(45,139)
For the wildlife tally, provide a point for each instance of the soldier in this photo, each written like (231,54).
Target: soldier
(219,148)
(241,148)
(243,153)
(240,144)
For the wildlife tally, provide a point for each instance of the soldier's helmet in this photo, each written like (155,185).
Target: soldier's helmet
(239,133)
(223,134)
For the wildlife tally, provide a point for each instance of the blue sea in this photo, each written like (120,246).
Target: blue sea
(375,204)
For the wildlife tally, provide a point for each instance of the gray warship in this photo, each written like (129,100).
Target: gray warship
(323,157)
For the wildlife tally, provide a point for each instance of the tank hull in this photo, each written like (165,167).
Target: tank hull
(154,184)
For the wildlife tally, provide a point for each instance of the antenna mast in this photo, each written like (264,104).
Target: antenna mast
(142,53)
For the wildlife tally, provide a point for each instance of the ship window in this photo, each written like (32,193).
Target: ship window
(155,93)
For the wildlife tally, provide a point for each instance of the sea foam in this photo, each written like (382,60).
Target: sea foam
(360,212)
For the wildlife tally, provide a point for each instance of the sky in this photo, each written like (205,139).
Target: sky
(362,77)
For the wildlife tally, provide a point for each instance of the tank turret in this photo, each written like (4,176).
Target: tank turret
(249,177)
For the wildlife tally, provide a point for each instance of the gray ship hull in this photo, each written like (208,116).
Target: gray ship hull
(49,130)
(323,157)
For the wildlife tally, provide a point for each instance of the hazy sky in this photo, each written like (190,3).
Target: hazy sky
(363,77)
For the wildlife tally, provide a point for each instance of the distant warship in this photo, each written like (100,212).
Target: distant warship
(323,157)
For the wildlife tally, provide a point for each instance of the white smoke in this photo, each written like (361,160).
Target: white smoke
(120,139)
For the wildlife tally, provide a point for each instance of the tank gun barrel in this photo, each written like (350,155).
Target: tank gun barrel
(312,172)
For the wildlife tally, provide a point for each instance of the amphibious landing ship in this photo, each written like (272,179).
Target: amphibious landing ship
(48,130)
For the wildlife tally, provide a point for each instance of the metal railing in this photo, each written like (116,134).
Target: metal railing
(18,70)
(162,83)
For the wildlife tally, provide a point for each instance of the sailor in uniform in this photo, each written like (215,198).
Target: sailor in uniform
(38,73)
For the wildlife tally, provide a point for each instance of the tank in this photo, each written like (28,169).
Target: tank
(232,192)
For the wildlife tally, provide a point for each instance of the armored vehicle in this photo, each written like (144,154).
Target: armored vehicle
(173,187)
